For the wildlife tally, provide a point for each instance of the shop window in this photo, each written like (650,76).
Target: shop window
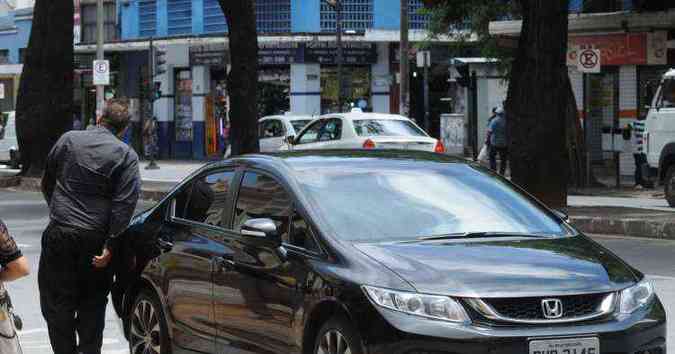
(4,56)
(356,88)
(88,13)
(147,17)
(357,15)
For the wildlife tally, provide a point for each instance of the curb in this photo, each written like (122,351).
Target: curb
(34,185)
(641,228)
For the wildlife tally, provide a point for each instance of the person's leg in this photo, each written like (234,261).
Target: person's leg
(504,157)
(493,157)
(638,169)
(94,287)
(57,280)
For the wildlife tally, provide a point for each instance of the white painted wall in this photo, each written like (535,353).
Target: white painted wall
(306,89)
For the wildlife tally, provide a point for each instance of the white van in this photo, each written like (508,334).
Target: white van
(659,138)
(9,147)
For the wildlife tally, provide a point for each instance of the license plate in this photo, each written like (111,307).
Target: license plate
(566,346)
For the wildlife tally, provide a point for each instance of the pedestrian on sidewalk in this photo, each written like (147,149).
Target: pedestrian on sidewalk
(91,185)
(638,129)
(13,266)
(497,142)
(151,138)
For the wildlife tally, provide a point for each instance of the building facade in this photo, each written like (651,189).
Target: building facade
(636,48)
(297,62)
(15,25)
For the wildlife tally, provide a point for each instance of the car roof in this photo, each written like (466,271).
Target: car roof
(362,116)
(288,117)
(299,161)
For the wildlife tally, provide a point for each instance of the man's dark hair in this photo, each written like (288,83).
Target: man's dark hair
(116,114)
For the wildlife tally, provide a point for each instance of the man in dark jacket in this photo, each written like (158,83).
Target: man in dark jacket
(91,184)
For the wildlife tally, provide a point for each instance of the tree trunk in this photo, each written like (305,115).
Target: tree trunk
(242,81)
(537,103)
(45,99)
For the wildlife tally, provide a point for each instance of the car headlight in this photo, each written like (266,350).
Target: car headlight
(430,306)
(636,297)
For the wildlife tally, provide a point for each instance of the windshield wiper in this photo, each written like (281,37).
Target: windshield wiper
(470,235)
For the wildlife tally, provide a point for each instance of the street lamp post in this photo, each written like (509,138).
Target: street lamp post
(337,5)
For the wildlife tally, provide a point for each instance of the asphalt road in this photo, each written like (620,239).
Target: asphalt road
(26,216)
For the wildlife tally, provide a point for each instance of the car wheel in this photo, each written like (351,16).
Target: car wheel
(148,332)
(670,186)
(338,336)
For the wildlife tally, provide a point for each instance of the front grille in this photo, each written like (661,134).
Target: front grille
(530,308)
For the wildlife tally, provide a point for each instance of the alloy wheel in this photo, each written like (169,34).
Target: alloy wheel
(333,342)
(145,329)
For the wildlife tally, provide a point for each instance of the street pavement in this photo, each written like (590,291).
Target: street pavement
(25,214)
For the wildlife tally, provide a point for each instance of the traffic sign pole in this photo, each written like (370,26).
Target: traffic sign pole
(100,94)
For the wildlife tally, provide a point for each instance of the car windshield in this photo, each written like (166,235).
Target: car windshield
(419,200)
(386,127)
(299,124)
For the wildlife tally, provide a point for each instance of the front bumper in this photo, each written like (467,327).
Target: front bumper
(403,334)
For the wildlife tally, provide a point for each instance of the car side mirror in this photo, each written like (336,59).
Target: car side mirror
(290,139)
(562,214)
(260,233)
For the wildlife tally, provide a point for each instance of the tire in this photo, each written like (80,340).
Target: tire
(147,313)
(669,186)
(338,336)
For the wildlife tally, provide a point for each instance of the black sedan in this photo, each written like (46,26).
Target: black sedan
(379,252)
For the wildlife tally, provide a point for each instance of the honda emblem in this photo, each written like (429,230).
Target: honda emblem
(553,308)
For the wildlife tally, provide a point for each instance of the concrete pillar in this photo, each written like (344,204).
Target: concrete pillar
(306,89)
(381,80)
(200,88)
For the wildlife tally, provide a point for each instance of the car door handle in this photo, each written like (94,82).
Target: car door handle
(164,245)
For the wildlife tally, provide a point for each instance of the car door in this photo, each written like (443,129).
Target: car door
(272,133)
(259,293)
(309,137)
(194,226)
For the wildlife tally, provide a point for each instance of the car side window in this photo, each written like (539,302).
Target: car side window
(204,200)
(271,128)
(667,92)
(300,234)
(332,130)
(311,135)
(260,196)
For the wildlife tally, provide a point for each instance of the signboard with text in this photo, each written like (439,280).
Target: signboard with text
(621,49)
(101,72)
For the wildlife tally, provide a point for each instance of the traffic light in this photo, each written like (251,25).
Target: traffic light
(160,61)
(157,92)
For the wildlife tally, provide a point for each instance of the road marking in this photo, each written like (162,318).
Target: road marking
(23,245)
(31,331)
(661,277)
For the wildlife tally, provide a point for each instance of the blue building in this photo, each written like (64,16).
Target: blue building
(297,61)
(15,25)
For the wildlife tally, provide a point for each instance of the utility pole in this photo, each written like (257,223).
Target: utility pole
(427,114)
(404,65)
(100,37)
(337,5)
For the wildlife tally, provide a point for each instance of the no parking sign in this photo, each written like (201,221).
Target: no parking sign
(101,72)
(588,61)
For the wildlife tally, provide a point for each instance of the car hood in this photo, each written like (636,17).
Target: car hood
(505,267)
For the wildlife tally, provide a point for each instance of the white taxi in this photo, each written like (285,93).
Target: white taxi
(359,130)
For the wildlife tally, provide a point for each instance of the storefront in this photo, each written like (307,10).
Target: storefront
(616,96)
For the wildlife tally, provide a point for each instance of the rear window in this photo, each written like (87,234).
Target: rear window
(386,127)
